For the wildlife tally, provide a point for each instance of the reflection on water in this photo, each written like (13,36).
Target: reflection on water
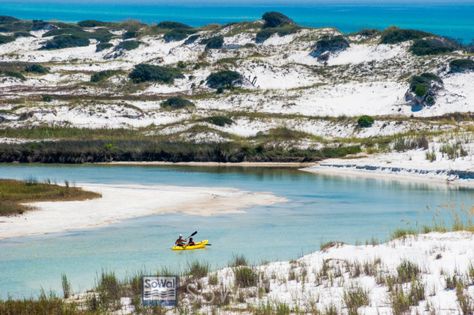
(320,209)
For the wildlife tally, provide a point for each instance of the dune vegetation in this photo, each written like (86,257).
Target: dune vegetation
(14,193)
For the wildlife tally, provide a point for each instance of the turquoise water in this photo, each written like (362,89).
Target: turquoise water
(319,209)
(453,19)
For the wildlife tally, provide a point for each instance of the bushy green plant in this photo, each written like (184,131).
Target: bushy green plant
(461,65)
(365,121)
(224,79)
(92,23)
(127,45)
(172,25)
(102,75)
(22,34)
(36,68)
(215,42)
(131,33)
(46,98)
(368,32)
(146,72)
(176,102)
(432,46)
(276,19)
(191,39)
(394,35)
(103,46)
(13,74)
(420,84)
(330,44)
(65,41)
(284,30)
(6,39)
(220,120)
(177,34)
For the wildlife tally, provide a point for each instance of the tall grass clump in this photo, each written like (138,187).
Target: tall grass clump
(238,260)
(354,298)
(66,285)
(44,305)
(245,277)
(407,272)
(109,290)
(197,269)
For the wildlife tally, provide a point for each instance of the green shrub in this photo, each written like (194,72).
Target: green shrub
(101,35)
(128,45)
(368,32)
(172,25)
(132,33)
(177,34)
(215,42)
(365,121)
(46,98)
(420,84)
(245,277)
(5,19)
(329,44)
(432,46)
(13,74)
(394,35)
(220,120)
(36,68)
(6,39)
(176,102)
(224,79)
(284,30)
(92,23)
(22,34)
(103,46)
(461,65)
(65,41)
(276,19)
(146,72)
(102,75)
(191,39)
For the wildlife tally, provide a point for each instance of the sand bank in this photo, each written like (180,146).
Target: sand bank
(120,202)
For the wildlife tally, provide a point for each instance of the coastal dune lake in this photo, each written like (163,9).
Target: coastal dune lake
(319,209)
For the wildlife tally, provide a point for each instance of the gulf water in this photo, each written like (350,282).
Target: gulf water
(448,18)
(319,209)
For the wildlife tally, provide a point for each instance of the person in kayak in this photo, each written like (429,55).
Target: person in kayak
(180,241)
(191,242)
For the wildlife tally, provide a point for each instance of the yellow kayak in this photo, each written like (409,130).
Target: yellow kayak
(197,245)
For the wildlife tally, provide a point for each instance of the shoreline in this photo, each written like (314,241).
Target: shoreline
(121,202)
(211,164)
(387,176)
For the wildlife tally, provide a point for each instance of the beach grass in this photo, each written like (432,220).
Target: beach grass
(14,193)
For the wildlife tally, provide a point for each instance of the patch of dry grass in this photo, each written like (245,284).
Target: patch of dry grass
(14,193)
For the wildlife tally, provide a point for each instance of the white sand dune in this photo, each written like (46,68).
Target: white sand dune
(120,202)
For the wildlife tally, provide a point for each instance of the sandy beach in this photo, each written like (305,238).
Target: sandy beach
(120,202)
(410,166)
